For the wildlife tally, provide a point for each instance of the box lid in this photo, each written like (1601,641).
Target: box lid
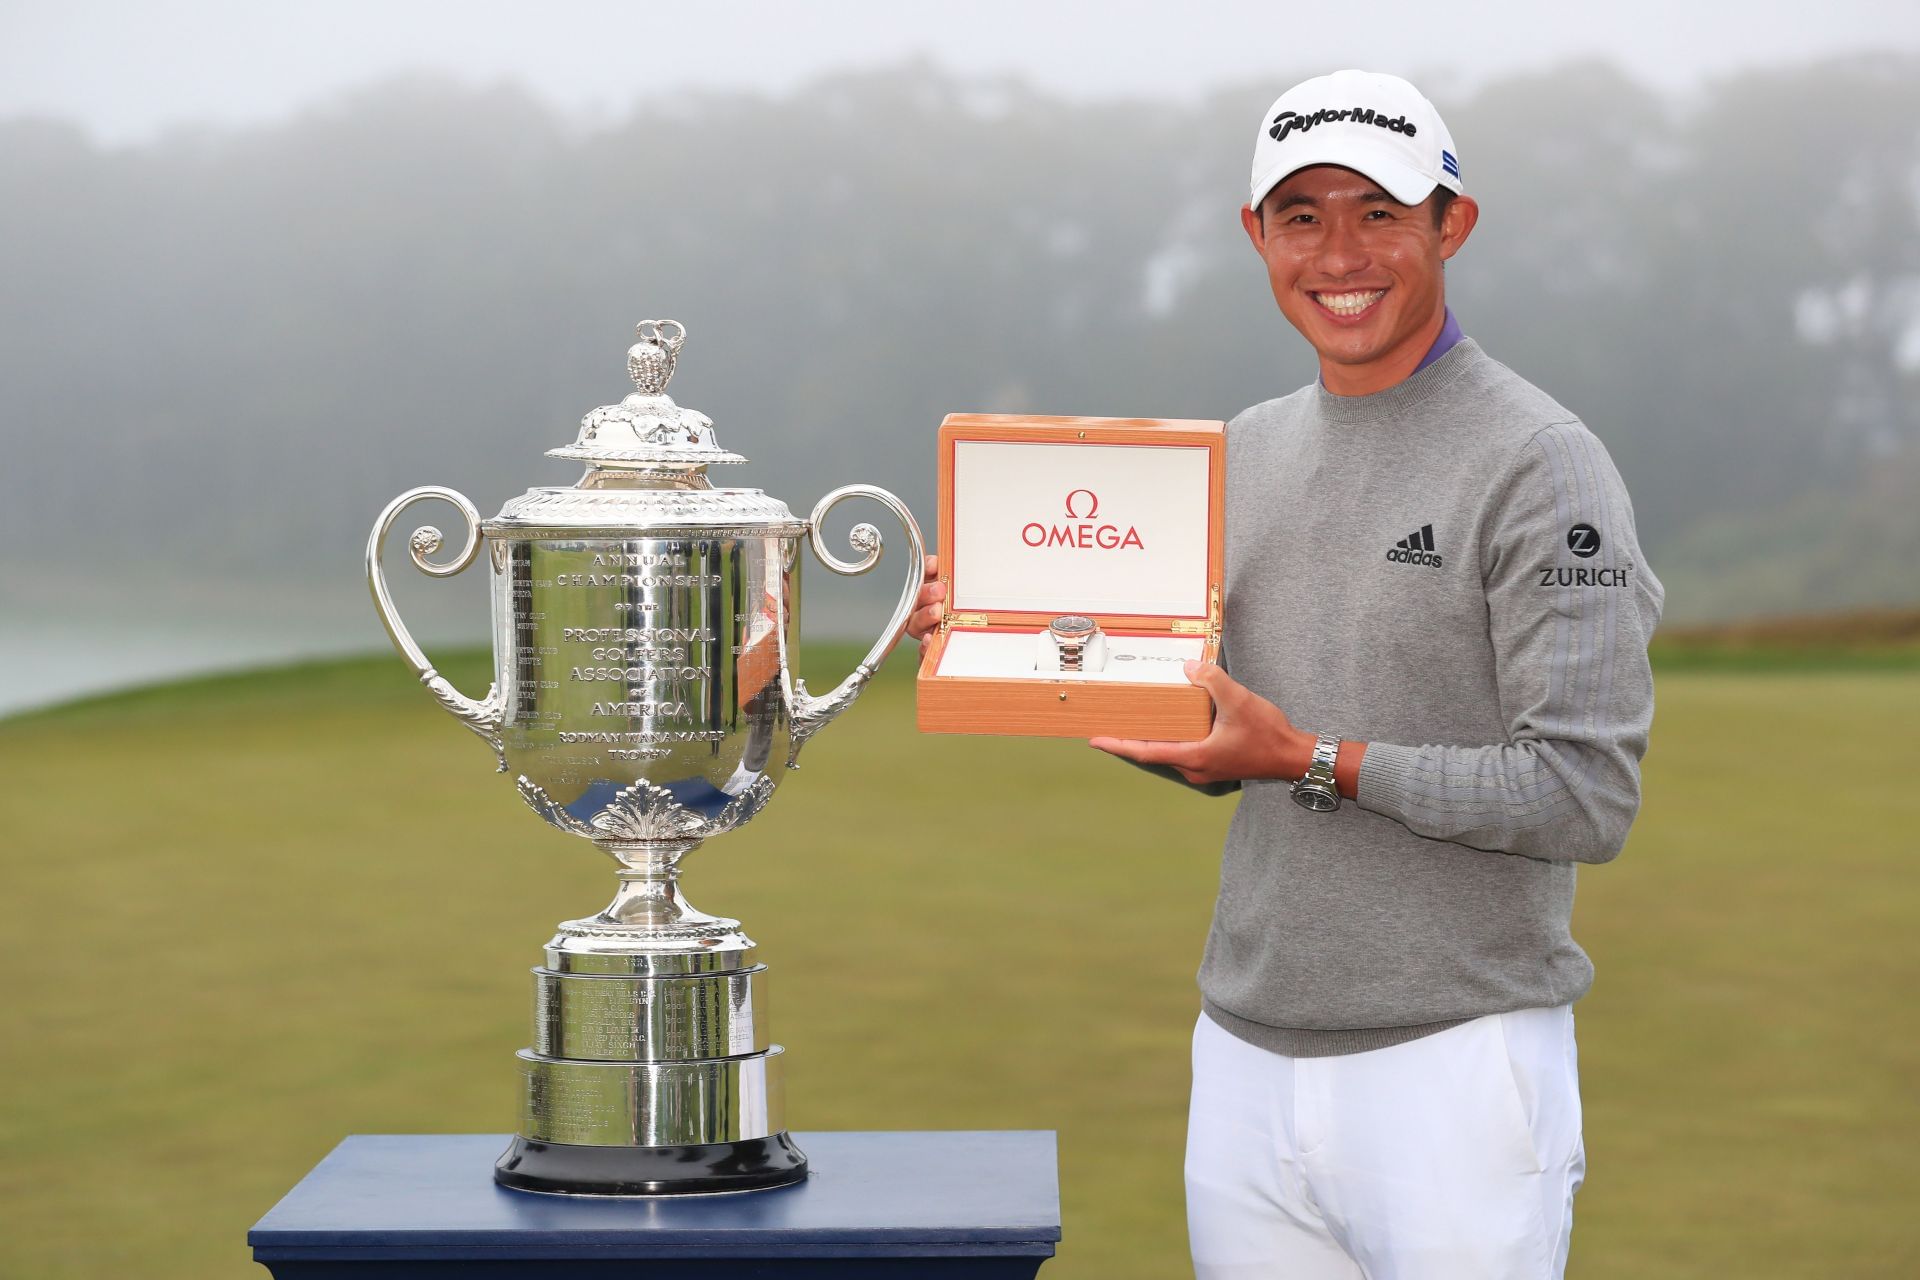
(1119,518)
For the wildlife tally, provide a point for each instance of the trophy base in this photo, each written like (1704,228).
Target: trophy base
(565,1168)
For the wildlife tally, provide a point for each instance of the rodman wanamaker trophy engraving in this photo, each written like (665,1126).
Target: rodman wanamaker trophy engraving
(645,632)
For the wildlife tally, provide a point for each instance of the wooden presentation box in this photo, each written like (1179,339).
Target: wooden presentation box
(1119,519)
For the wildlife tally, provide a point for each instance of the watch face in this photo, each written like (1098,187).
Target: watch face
(1316,799)
(1073,626)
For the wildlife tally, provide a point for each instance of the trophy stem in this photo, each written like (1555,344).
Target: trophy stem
(649,900)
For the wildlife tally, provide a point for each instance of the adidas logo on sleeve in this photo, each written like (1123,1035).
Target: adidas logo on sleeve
(1416,548)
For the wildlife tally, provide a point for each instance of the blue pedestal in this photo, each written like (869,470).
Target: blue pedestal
(936,1205)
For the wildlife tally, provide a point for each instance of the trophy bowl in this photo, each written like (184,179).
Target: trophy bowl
(645,631)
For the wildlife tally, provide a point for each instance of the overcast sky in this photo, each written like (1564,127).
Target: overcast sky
(128,70)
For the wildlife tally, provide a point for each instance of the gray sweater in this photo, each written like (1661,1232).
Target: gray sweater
(1446,570)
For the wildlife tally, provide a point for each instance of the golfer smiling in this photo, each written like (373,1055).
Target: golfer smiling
(1437,617)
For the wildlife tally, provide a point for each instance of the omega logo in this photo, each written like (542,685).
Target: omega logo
(1080,531)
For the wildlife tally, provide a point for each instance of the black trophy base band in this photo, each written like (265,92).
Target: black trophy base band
(567,1168)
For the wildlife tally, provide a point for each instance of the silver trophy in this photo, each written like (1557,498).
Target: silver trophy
(645,627)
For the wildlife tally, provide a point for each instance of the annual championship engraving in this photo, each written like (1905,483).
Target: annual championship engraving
(646,627)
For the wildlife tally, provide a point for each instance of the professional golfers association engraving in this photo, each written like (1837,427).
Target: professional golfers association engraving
(645,626)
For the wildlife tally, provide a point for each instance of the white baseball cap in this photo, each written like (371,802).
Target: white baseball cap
(1366,121)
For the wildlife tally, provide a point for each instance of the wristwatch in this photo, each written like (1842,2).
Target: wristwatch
(1071,635)
(1317,791)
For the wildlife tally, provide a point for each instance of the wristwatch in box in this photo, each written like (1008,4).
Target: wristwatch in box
(1071,636)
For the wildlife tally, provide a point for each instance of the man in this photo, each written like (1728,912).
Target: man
(1436,610)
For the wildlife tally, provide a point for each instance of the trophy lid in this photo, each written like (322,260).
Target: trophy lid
(647,429)
(647,460)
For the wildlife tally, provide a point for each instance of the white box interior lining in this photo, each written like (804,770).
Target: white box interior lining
(1080,528)
(1009,655)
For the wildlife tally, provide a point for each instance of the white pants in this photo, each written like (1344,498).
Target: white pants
(1454,1155)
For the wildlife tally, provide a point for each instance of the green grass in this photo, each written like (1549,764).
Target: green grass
(246,917)
(1880,639)
(1727,658)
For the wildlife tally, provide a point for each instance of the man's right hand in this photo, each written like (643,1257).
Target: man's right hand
(929,604)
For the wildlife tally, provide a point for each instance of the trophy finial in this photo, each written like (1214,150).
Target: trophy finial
(647,429)
(650,361)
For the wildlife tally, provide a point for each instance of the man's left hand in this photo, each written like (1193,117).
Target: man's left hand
(1251,737)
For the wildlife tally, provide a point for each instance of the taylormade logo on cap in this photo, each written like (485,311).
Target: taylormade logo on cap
(1366,121)
(1287,121)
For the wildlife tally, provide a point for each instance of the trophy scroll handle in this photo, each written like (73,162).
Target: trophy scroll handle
(808,714)
(484,716)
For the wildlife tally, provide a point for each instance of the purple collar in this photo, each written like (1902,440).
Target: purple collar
(1449,334)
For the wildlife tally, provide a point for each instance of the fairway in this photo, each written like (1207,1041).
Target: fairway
(247,917)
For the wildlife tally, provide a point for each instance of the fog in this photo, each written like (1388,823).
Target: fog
(127,71)
(222,350)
